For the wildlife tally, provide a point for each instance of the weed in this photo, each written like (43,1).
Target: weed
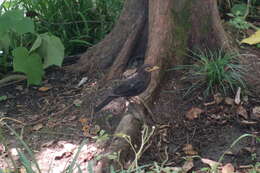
(146,135)
(216,71)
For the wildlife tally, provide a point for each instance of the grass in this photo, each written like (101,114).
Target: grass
(214,71)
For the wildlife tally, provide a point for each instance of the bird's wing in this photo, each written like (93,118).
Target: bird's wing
(130,88)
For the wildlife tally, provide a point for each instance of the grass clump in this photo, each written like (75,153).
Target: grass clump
(214,71)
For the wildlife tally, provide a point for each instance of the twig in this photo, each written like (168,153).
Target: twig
(47,117)
(14,78)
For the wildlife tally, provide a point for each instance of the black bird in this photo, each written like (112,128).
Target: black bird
(131,86)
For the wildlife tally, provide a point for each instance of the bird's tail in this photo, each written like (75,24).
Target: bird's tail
(104,103)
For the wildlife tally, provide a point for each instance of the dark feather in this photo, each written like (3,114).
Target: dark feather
(104,103)
(132,86)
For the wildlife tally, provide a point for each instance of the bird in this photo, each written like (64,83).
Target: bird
(133,85)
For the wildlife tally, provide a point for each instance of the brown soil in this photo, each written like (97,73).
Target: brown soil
(53,116)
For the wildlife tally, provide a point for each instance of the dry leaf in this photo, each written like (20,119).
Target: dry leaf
(77,102)
(229,101)
(242,112)
(82,81)
(72,118)
(253,39)
(211,163)
(256,112)
(228,168)
(248,122)
(238,95)
(189,150)
(83,120)
(193,113)
(218,98)
(188,165)
(44,89)
(37,127)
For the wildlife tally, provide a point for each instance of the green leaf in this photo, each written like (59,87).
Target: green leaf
(14,14)
(4,42)
(239,9)
(30,64)
(14,20)
(37,43)
(3,98)
(24,26)
(52,50)
(5,24)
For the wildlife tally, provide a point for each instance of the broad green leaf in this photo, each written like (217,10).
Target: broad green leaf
(52,50)
(14,20)
(37,43)
(14,14)
(4,42)
(253,39)
(30,64)
(24,26)
(5,24)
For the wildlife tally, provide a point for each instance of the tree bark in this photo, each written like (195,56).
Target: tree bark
(159,33)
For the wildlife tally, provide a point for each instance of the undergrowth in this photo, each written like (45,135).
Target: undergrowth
(79,24)
(213,72)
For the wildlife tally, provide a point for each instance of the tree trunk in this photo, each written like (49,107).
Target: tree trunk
(159,33)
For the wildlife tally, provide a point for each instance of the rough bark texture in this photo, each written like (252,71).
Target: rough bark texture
(207,31)
(104,53)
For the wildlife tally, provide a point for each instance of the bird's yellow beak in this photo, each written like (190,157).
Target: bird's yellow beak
(153,68)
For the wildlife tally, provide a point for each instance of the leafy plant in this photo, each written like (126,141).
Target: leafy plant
(239,13)
(16,34)
(79,24)
(216,71)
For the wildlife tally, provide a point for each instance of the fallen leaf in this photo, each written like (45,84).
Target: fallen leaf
(242,112)
(188,165)
(211,163)
(2,149)
(256,112)
(253,39)
(238,95)
(218,98)
(84,120)
(44,89)
(229,101)
(189,150)
(37,127)
(248,122)
(228,168)
(72,118)
(82,81)
(77,102)
(193,113)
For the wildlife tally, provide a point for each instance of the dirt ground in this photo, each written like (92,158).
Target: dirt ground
(51,123)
